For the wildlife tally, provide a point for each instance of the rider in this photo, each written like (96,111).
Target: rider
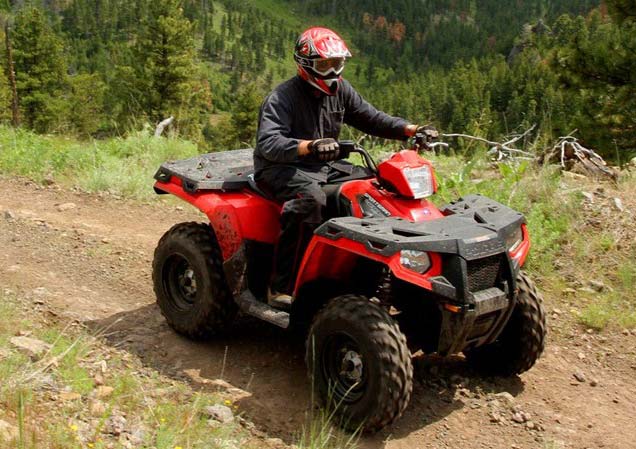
(299,125)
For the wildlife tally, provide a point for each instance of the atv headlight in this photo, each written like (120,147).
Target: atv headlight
(420,181)
(417,261)
(514,239)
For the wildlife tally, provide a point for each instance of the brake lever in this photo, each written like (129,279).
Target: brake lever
(421,144)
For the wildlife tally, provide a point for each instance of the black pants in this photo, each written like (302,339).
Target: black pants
(303,209)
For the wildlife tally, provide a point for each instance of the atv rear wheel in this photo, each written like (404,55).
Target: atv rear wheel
(359,363)
(189,281)
(522,340)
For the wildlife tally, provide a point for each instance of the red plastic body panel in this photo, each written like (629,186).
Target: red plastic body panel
(392,170)
(235,216)
(341,255)
(412,210)
(521,253)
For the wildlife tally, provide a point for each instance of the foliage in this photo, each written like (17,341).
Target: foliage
(487,68)
(122,166)
(86,102)
(40,69)
(239,128)
(597,60)
(164,62)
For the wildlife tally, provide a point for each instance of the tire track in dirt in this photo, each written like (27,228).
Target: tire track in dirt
(91,263)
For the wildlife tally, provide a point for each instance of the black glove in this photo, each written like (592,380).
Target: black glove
(325,150)
(429,132)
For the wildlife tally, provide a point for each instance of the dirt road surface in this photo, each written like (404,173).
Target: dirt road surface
(88,258)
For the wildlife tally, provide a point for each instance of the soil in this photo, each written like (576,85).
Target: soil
(88,258)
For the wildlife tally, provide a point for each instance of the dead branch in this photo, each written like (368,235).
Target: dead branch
(500,150)
(569,153)
(162,125)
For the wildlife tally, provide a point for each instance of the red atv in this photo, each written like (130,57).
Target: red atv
(386,275)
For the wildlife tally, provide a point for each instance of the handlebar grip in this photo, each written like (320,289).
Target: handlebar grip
(346,148)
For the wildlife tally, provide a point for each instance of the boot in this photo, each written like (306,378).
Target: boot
(281,301)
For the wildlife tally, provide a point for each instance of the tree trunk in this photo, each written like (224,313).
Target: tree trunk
(15,110)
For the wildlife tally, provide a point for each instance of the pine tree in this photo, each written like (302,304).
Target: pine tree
(245,116)
(597,63)
(166,57)
(40,70)
(5,93)
(86,102)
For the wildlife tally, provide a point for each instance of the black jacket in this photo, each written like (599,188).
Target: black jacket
(296,111)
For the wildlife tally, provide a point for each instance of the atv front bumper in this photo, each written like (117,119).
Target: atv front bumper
(474,282)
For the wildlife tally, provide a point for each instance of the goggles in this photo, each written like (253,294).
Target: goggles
(325,67)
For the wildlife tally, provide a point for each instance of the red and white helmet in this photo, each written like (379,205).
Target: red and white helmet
(321,54)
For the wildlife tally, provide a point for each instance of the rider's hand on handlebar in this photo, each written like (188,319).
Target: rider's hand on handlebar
(325,150)
(430,132)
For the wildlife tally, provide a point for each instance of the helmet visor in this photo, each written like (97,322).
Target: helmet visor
(329,66)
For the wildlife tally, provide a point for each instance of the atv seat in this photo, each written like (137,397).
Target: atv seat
(234,170)
(255,187)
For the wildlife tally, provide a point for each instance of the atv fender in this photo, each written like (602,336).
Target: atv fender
(342,255)
(235,216)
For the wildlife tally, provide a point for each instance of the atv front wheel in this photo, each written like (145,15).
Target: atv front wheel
(359,363)
(189,281)
(522,340)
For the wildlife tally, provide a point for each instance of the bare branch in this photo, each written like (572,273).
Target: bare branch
(501,150)
(162,125)
(568,148)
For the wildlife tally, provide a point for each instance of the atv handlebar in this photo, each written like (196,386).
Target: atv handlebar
(433,145)
(349,146)
(420,144)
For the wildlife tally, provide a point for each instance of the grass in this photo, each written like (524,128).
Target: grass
(320,433)
(122,166)
(31,394)
(616,306)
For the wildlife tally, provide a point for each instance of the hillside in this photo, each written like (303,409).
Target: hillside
(482,67)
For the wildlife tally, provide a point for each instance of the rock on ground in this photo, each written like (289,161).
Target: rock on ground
(4,353)
(115,425)
(219,413)
(30,346)
(103,392)
(66,206)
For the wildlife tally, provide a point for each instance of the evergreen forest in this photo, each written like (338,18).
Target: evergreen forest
(99,68)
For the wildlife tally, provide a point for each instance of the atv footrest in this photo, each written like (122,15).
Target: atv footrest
(252,306)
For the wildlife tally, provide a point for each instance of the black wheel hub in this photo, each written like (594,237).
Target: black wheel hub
(180,282)
(344,369)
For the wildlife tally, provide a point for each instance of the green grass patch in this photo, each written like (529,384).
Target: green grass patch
(321,433)
(617,306)
(123,166)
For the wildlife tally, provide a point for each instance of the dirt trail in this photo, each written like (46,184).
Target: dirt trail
(90,261)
